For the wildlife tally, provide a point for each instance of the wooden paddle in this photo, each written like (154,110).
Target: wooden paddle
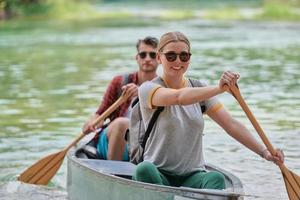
(291,180)
(43,170)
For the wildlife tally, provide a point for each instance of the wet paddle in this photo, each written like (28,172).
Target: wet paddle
(291,180)
(43,170)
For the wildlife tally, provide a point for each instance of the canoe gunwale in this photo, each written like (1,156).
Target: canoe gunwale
(237,192)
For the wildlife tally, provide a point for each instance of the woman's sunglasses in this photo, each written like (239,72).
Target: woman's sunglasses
(171,56)
(143,54)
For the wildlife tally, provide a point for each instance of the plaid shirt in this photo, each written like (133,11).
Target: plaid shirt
(113,92)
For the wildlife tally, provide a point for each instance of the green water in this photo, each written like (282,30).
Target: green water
(53,75)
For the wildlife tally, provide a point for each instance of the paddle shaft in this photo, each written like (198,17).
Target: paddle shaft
(288,175)
(102,117)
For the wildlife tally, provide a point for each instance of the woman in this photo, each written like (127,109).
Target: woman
(173,153)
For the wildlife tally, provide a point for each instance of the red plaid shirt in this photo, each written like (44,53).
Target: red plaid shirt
(112,94)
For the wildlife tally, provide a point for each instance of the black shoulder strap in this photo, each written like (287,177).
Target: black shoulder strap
(156,115)
(135,101)
(149,129)
(125,81)
(152,120)
(194,83)
(151,124)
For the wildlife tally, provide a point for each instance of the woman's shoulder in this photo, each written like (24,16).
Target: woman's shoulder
(158,80)
(154,82)
(148,86)
(196,82)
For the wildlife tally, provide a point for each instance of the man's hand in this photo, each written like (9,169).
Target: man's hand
(89,126)
(131,90)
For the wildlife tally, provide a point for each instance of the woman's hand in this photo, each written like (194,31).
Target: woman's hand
(228,78)
(277,159)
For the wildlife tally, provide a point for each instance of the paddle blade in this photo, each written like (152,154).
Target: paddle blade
(292,184)
(42,171)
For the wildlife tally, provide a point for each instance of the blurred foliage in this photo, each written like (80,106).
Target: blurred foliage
(188,4)
(10,8)
(43,8)
(177,14)
(72,25)
(283,2)
(225,13)
(168,9)
(280,10)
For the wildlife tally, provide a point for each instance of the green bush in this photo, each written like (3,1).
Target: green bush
(46,8)
(278,11)
(34,9)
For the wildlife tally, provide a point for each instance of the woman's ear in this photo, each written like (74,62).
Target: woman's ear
(158,58)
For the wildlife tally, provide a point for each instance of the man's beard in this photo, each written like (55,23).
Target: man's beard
(148,68)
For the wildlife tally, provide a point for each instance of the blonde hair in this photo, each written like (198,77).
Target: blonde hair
(172,37)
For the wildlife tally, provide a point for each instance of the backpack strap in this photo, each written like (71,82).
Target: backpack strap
(125,81)
(135,101)
(151,124)
(149,129)
(196,83)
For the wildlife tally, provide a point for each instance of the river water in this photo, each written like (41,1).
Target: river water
(51,80)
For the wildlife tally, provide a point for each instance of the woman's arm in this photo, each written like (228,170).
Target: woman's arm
(236,130)
(239,132)
(185,96)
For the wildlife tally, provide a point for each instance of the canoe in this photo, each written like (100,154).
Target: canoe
(94,179)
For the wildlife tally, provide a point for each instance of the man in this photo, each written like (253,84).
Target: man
(111,143)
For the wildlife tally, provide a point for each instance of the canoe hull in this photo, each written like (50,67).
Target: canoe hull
(93,180)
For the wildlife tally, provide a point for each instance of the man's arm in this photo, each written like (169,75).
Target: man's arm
(89,125)
(110,96)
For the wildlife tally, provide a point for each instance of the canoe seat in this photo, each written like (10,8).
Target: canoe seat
(118,168)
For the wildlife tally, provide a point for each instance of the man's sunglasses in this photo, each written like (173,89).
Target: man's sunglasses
(143,54)
(171,56)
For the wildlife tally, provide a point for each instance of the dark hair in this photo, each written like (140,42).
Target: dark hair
(152,41)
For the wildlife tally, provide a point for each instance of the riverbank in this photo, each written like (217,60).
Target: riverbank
(137,18)
(112,11)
